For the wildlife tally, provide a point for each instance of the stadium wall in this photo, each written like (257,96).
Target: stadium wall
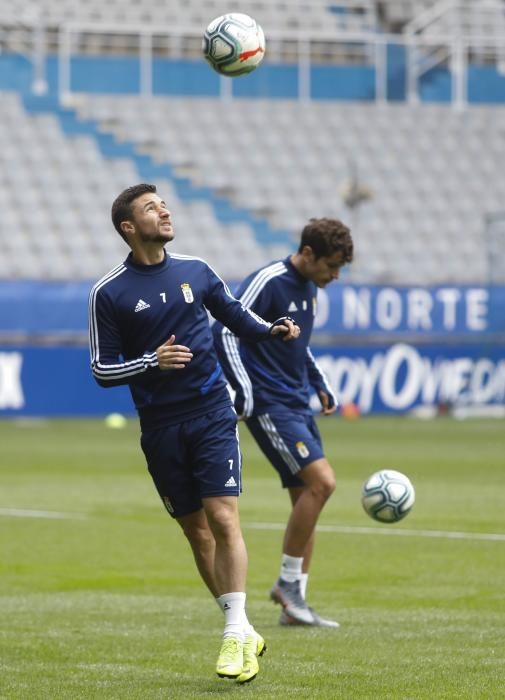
(385,349)
(114,75)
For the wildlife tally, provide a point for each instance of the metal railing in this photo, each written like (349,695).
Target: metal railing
(422,52)
(460,33)
(458,17)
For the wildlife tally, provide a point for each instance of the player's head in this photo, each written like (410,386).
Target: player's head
(325,246)
(139,215)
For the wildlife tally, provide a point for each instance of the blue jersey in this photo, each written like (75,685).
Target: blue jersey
(135,308)
(273,376)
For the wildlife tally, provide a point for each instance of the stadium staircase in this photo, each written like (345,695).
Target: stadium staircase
(60,157)
(417,182)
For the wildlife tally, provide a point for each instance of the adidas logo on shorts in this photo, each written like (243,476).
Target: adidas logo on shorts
(231,482)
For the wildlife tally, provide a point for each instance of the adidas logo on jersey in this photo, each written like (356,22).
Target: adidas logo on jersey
(231,482)
(292,307)
(141,305)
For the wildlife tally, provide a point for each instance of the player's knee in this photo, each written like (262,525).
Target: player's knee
(330,483)
(199,536)
(223,518)
(326,485)
(320,479)
(224,523)
(323,485)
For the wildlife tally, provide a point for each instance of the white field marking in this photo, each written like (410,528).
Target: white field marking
(348,530)
(30,513)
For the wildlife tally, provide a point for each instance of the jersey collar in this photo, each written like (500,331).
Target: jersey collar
(148,269)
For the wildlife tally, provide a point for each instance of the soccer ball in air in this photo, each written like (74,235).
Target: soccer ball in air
(387,496)
(234,44)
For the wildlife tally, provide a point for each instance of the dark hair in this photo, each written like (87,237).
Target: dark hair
(326,237)
(121,207)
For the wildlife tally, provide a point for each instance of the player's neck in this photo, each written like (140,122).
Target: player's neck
(299,264)
(149,255)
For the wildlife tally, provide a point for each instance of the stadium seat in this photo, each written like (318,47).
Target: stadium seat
(426,173)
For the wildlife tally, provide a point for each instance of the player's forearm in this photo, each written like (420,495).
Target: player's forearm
(244,323)
(108,374)
(228,352)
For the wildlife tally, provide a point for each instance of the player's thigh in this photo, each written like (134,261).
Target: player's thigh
(168,463)
(319,475)
(195,459)
(289,441)
(214,449)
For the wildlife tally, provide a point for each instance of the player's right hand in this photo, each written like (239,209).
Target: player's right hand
(285,327)
(328,405)
(172,356)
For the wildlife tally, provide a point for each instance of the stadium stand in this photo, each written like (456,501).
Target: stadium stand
(428,171)
(417,182)
(481,18)
(313,15)
(427,174)
(58,195)
(481,24)
(182,18)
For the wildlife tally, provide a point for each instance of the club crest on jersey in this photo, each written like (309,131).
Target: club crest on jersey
(302,449)
(187,293)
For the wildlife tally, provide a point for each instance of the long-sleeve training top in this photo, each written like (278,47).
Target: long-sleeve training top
(136,308)
(273,376)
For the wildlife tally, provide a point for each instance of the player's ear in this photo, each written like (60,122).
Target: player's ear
(307,253)
(127,227)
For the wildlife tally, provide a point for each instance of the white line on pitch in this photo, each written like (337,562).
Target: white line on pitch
(399,532)
(30,513)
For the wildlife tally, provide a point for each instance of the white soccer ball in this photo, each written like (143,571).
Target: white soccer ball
(387,496)
(234,44)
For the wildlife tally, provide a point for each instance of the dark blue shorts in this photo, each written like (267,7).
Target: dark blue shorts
(194,459)
(289,441)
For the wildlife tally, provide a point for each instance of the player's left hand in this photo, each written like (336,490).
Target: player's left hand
(286,327)
(172,356)
(328,405)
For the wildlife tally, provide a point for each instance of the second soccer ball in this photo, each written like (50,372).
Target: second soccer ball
(234,44)
(387,496)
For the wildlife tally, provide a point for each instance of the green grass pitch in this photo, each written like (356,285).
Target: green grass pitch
(99,596)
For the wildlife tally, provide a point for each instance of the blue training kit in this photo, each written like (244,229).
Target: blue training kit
(195,459)
(189,427)
(134,309)
(273,384)
(277,376)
